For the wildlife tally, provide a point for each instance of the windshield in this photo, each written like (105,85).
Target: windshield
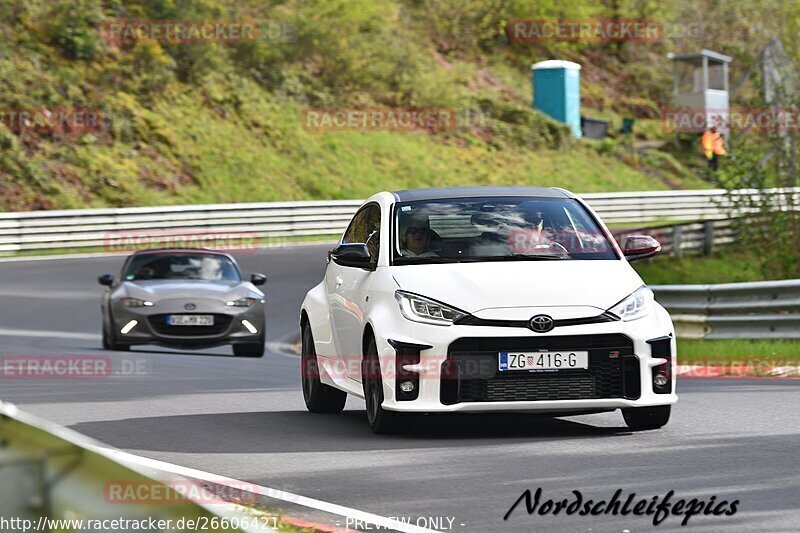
(497,229)
(181,266)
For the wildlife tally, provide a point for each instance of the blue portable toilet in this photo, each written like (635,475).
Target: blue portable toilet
(557,91)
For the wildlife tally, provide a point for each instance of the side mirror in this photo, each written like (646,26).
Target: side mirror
(352,255)
(258,279)
(106,279)
(640,247)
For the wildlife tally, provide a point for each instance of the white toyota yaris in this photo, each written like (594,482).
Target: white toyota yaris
(486,299)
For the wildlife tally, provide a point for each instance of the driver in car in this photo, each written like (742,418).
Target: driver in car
(531,238)
(415,237)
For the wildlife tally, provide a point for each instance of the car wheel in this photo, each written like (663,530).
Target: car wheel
(106,341)
(319,397)
(380,420)
(644,418)
(252,349)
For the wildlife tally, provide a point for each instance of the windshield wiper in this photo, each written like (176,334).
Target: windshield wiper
(425,260)
(518,257)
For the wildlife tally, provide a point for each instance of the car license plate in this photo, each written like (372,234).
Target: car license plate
(190,320)
(543,361)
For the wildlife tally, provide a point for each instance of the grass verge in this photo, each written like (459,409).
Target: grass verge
(726,267)
(756,352)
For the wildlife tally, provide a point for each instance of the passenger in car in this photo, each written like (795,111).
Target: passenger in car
(415,237)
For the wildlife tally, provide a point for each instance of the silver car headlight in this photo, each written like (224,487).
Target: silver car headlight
(135,302)
(244,302)
(420,309)
(637,305)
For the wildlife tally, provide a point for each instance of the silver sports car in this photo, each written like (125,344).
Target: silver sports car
(183,298)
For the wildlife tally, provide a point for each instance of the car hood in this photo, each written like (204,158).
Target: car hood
(155,290)
(480,288)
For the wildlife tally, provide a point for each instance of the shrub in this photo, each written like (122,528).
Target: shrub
(73,26)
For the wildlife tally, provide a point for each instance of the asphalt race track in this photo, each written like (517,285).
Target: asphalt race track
(734,439)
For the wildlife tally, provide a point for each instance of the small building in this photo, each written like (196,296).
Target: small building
(700,86)
(557,92)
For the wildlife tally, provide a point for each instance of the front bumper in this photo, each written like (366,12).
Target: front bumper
(624,359)
(151,328)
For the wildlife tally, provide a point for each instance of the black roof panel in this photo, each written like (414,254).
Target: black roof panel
(411,195)
(179,250)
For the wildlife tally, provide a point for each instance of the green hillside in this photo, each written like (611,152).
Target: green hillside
(221,122)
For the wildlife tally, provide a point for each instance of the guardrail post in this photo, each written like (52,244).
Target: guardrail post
(677,239)
(708,237)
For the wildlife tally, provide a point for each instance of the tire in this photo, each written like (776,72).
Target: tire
(319,397)
(252,349)
(381,421)
(106,341)
(644,418)
(110,339)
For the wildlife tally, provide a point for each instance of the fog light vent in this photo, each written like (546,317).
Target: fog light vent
(662,374)
(406,381)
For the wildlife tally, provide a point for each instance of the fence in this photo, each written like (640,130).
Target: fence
(85,228)
(756,310)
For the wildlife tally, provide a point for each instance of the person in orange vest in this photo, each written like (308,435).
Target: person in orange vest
(713,147)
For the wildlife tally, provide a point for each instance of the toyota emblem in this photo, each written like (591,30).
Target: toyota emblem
(542,323)
(190,307)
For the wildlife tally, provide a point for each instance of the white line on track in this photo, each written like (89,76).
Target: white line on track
(45,334)
(332,508)
(56,257)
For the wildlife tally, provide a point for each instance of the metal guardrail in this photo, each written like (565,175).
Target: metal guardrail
(706,204)
(40,230)
(49,473)
(755,310)
(84,228)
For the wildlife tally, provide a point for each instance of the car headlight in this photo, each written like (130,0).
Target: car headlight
(244,302)
(421,309)
(135,302)
(634,306)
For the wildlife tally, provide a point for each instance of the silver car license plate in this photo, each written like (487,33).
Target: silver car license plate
(190,320)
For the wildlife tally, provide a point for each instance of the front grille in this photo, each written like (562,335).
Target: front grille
(470,373)
(159,324)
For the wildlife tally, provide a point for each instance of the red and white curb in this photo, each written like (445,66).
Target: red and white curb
(739,371)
